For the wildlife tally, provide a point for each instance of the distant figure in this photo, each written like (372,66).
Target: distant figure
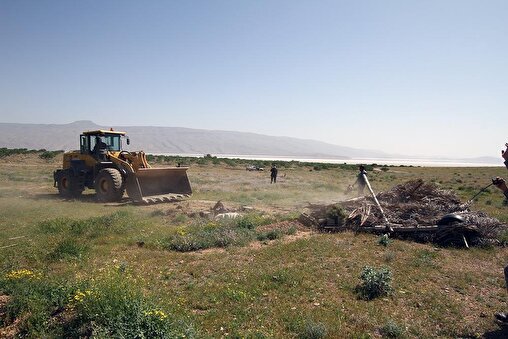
(360,180)
(273,174)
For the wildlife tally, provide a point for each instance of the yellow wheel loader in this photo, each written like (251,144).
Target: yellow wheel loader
(101,164)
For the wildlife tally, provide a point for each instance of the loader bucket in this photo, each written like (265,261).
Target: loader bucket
(152,185)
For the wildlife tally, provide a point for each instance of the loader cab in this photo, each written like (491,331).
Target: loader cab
(93,141)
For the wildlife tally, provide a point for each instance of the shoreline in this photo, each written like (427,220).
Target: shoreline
(367,161)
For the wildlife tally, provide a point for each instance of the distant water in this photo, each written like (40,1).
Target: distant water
(367,161)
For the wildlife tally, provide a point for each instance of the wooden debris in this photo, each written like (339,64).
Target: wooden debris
(413,210)
(308,220)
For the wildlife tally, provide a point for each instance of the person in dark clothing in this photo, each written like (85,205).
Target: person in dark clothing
(100,149)
(360,180)
(501,184)
(273,174)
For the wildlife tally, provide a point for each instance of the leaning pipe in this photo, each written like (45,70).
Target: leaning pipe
(387,223)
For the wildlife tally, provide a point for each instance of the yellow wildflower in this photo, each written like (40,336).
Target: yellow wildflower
(80,296)
(156,314)
(22,274)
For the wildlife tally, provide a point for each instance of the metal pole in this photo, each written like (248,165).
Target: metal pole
(477,194)
(375,199)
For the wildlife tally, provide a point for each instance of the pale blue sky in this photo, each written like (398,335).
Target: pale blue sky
(408,77)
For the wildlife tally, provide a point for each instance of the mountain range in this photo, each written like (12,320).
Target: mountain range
(178,140)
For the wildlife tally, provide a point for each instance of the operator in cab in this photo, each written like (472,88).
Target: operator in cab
(100,149)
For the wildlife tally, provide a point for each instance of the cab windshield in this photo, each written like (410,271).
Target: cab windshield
(112,142)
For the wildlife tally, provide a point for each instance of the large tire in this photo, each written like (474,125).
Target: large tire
(109,185)
(68,185)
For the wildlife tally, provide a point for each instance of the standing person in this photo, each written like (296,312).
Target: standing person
(273,174)
(501,184)
(360,179)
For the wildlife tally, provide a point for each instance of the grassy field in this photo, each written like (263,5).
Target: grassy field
(80,268)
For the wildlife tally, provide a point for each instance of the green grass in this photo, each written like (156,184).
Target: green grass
(111,304)
(114,305)
(256,279)
(34,298)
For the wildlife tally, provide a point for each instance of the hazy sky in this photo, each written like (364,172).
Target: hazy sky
(408,77)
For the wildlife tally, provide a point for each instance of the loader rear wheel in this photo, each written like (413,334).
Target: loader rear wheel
(68,186)
(109,185)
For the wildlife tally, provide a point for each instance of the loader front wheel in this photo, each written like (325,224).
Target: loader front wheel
(68,186)
(109,185)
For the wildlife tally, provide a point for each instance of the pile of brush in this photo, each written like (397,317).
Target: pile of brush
(415,210)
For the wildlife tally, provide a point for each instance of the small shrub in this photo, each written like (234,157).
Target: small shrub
(197,237)
(246,223)
(187,243)
(49,154)
(253,220)
(261,237)
(375,283)
(338,213)
(291,231)
(384,240)
(270,235)
(313,330)
(68,249)
(274,234)
(392,330)
(425,258)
